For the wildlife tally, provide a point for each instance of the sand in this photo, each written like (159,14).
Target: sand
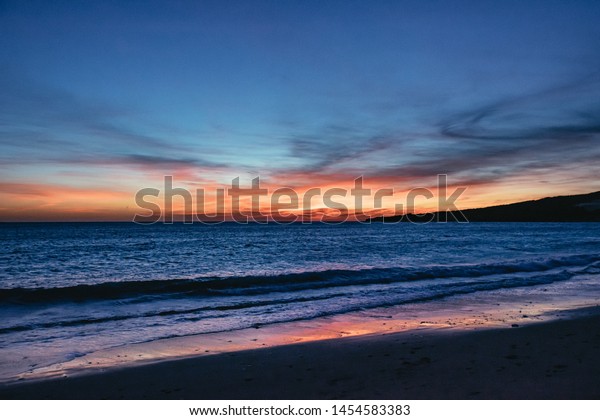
(544,360)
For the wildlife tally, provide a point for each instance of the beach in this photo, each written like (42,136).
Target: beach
(301,312)
(553,359)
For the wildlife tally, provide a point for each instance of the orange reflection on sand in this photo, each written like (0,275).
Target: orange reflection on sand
(411,319)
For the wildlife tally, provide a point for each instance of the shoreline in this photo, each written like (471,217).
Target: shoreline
(544,359)
(474,311)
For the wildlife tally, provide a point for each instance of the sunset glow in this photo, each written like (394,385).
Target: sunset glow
(100,102)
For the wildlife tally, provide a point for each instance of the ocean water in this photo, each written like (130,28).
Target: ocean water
(68,289)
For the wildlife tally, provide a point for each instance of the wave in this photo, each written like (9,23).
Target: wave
(253,285)
(382,298)
(163,313)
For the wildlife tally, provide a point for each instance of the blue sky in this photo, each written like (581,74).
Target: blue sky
(106,98)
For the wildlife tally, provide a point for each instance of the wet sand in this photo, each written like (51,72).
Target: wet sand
(542,360)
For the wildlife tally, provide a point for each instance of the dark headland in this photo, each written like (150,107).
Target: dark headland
(570,208)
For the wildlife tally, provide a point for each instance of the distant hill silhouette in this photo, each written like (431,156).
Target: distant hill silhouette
(570,208)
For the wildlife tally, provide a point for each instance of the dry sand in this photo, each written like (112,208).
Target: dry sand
(556,359)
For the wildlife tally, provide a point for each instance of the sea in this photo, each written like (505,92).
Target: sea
(69,289)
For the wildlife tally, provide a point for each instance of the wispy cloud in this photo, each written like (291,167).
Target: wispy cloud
(523,134)
(569,112)
(39,124)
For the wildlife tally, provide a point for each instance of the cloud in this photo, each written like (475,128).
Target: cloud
(567,112)
(40,124)
(334,151)
(541,132)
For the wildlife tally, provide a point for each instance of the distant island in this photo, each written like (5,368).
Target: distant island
(570,208)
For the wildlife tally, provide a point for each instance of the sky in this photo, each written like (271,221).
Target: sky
(99,100)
